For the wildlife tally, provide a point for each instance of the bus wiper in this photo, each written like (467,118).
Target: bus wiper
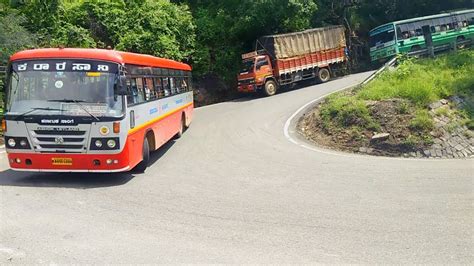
(79,103)
(37,109)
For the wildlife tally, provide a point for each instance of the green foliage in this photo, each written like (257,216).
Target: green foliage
(13,36)
(152,27)
(425,81)
(346,111)
(209,34)
(404,108)
(422,121)
(226,29)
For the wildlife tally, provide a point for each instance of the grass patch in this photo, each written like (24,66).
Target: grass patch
(404,108)
(443,111)
(345,112)
(422,121)
(426,80)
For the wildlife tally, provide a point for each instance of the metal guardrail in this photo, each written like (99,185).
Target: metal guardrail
(421,52)
(441,48)
(390,63)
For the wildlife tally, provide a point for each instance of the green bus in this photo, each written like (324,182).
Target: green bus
(406,36)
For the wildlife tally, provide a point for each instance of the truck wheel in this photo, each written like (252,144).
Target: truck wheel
(141,167)
(270,88)
(324,75)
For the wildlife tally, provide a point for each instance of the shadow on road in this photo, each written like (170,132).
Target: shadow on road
(156,155)
(297,86)
(75,180)
(63,180)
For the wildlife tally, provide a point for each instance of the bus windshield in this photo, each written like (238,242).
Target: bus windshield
(381,36)
(64,87)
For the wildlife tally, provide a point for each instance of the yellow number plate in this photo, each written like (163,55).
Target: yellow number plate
(61,161)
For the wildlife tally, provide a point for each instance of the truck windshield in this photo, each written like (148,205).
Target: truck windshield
(247,66)
(382,36)
(64,87)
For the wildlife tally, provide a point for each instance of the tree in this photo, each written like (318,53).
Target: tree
(13,36)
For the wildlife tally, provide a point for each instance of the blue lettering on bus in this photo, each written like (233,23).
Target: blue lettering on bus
(179,101)
(164,107)
(153,110)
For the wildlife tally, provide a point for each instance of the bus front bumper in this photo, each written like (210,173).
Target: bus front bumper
(68,163)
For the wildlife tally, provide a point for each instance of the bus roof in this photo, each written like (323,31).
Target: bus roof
(101,54)
(425,17)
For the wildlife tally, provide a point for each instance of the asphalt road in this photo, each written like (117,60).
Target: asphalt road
(234,189)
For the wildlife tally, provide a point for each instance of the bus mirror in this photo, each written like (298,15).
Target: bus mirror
(121,86)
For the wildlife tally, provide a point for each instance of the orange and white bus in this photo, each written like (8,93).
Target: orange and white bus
(92,110)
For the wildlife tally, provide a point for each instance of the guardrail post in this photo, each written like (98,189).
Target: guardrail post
(428,40)
(454,46)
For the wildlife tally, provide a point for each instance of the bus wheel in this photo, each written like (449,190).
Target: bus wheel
(324,75)
(182,128)
(270,88)
(458,40)
(141,167)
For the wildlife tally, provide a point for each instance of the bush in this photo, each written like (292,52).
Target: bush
(425,81)
(346,111)
(422,121)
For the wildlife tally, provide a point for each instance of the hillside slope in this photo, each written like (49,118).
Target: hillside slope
(423,108)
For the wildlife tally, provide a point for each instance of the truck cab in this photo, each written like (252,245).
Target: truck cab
(256,74)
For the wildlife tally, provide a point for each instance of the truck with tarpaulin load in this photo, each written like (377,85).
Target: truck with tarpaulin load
(285,59)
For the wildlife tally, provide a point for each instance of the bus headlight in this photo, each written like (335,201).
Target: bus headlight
(111,143)
(98,143)
(20,143)
(23,143)
(11,143)
(106,144)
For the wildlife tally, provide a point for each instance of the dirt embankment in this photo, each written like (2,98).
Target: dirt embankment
(212,89)
(396,136)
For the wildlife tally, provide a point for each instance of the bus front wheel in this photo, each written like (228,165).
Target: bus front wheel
(141,167)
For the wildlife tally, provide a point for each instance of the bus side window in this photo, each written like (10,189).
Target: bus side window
(132,91)
(140,91)
(173,86)
(166,87)
(159,88)
(149,89)
(179,85)
(184,85)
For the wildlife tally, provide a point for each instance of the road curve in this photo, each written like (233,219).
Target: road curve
(235,190)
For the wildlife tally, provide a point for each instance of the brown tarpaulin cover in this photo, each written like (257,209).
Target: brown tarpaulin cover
(299,43)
